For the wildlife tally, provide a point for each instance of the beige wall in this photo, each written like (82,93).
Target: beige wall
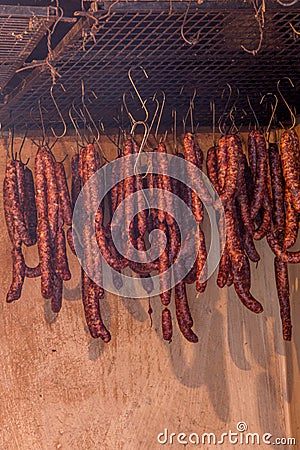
(61,389)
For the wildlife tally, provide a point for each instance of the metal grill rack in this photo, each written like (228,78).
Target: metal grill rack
(149,34)
(21,29)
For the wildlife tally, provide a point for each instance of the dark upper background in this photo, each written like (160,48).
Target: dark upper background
(149,34)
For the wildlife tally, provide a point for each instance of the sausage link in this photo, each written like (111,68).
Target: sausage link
(212,167)
(30,212)
(43,229)
(291,222)
(252,153)
(63,192)
(249,247)
(283,255)
(12,202)
(61,259)
(283,293)
(183,314)
(222,161)
(224,267)
(277,183)
(289,163)
(241,281)
(167,330)
(51,192)
(265,225)
(243,199)
(163,264)
(191,157)
(260,183)
(18,276)
(201,281)
(33,272)
(56,300)
(90,297)
(233,144)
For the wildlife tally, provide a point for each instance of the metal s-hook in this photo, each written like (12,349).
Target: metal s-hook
(97,137)
(273,107)
(213,113)
(142,145)
(253,112)
(59,113)
(174,130)
(293,117)
(190,110)
(224,115)
(143,102)
(195,39)
(160,113)
(75,125)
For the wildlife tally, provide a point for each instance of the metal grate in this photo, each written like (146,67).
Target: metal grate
(133,36)
(21,29)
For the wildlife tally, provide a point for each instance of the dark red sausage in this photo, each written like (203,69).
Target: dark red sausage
(283,292)
(15,289)
(167,330)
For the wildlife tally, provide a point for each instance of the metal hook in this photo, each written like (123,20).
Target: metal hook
(274,107)
(160,113)
(59,113)
(42,122)
(195,39)
(143,102)
(253,112)
(190,110)
(213,111)
(174,116)
(101,126)
(22,144)
(97,137)
(154,99)
(221,121)
(293,117)
(75,125)
(140,122)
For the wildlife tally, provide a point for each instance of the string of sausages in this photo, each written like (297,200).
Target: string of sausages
(259,191)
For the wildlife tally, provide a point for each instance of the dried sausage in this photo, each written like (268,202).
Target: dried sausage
(15,289)
(167,330)
(282,285)
(63,193)
(289,162)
